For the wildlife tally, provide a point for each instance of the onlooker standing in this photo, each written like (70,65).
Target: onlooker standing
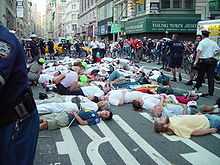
(50,45)
(95,46)
(102,48)
(206,51)
(193,68)
(176,56)
(34,47)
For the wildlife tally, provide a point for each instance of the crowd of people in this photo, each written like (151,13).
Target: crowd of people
(82,90)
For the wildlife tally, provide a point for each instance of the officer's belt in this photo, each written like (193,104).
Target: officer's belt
(20,112)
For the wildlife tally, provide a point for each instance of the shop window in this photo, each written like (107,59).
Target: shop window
(177,4)
(165,4)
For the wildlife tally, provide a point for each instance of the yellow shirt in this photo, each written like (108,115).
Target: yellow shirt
(184,125)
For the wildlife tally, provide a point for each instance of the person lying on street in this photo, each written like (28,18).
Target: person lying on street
(168,108)
(188,125)
(59,104)
(64,119)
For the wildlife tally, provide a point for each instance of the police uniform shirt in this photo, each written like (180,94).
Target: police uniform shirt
(208,48)
(13,73)
(176,48)
(90,116)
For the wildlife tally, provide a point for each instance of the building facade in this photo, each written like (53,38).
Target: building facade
(88,19)
(158,18)
(24,18)
(105,18)
(161,18)
(8,13)
(71,18)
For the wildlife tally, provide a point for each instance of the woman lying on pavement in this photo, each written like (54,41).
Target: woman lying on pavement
(188,125)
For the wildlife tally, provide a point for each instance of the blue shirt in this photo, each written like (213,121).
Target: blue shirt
(176,48)
(90,116)
(12,70)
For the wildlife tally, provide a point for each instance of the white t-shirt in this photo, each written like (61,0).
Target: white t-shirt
(134,95)
(56,107)
(150,101)
(102,45)
(116,96)
(70,77)
(92,91)
(85,103)
(208,48)
(94,44)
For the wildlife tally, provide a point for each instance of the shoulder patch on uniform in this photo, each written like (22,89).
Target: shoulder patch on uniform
(4,49)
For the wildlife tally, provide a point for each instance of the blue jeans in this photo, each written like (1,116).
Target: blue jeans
(18,141)
(214,121)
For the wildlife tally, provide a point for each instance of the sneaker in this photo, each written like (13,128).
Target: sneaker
(189,82)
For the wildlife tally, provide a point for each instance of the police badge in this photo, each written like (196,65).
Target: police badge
(4,49)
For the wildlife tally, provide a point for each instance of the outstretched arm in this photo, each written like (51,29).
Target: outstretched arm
(201,132)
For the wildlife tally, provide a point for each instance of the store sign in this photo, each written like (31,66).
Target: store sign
(115,28)
(135,26)
(154,7)
(172,26)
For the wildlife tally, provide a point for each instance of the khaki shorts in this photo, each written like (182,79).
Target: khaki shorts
(56,120)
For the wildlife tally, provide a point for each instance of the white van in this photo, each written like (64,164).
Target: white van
(213,26)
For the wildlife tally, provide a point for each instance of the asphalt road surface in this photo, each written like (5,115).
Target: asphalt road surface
(127,139)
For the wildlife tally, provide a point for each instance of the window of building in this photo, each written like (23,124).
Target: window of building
(74,27)
(165,4)
(183,4)
(177,4)
(189,4)
(74,6)
(140,8)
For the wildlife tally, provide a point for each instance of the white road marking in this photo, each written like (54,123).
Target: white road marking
(148,149)
(125,155)
(216,135)
(92,150)
(69,146)
(201,157)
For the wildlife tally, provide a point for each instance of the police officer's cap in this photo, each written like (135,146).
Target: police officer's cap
(205,32)
(33,36)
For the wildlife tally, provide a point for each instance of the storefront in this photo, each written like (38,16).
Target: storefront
(157,26)
(104,29)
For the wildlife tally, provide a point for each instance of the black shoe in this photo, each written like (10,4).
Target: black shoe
(204,95)
(189,82)
(174,79)
(180,77)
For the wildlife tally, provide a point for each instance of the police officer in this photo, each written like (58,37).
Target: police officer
(176,56)
(19,121)
(206,62)
(34,47)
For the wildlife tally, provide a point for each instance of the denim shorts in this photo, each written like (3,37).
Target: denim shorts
(214,121)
